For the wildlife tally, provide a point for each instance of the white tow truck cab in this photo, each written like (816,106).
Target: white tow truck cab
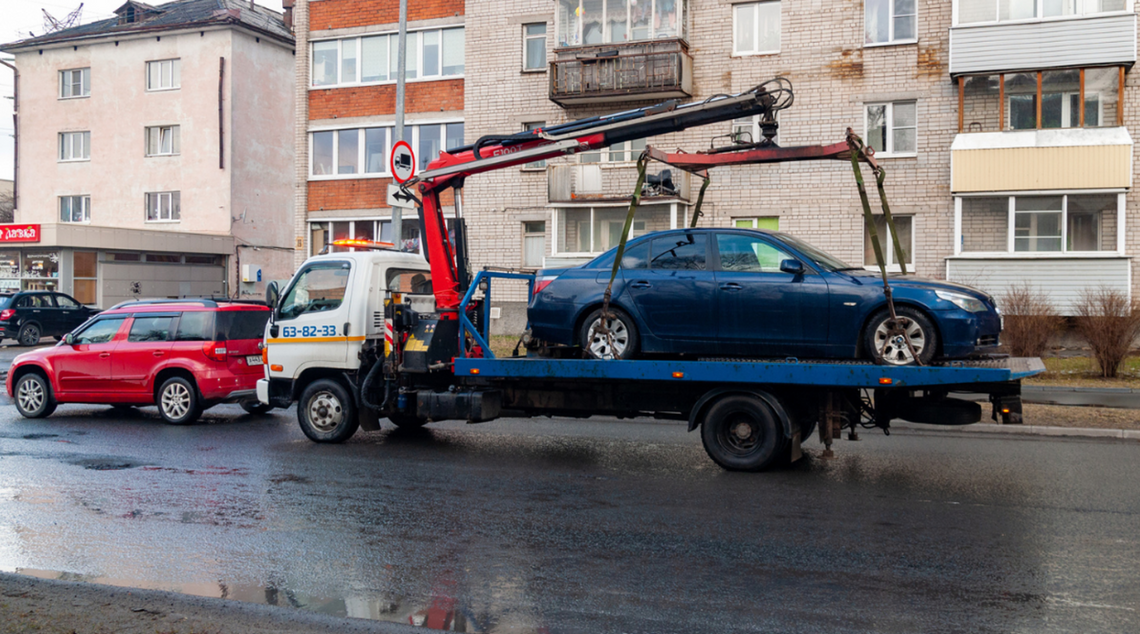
(325,320)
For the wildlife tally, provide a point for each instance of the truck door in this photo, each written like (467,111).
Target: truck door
(311,319)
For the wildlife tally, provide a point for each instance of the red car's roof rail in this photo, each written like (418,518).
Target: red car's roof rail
(208,302)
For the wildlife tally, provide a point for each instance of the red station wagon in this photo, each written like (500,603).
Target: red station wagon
(181,355)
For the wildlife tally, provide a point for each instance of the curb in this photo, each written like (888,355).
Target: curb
(1024,430)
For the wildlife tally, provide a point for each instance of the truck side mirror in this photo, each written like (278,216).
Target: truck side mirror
(795,267)
(272,293)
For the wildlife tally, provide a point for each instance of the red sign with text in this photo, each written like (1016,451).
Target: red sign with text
(19,233)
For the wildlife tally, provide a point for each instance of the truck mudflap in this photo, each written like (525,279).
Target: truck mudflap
(474,406)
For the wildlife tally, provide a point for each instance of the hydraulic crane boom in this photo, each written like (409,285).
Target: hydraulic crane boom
(448,263)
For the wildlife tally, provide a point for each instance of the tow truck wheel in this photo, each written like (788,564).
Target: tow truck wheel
(326,412)
(742,433)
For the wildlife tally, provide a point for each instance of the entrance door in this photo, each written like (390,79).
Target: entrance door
(85,365)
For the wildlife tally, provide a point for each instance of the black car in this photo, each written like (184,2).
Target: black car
(30,315)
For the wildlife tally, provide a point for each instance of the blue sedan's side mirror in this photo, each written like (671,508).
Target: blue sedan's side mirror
(795,267)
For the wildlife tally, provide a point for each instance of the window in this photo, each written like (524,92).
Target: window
(35,301)
(324,232)
(579,22)
(150,329)
(409,281)
(904,225)
(685,252)
(756,28)
(163,140)
(534,243)
(365,151)
(974,11)
(164,74)
(74,146)
(195,326)
(890,21)
(74,83)
(163,206)
(1070,98)
(527,127)
(100,331)
(372,59)
(84,273)
(1040,224)
(75,209)
(620,152)
(892,127)
(63,301)
(319,288)
(771,223)
(746,254)
(534,46)
(584,230)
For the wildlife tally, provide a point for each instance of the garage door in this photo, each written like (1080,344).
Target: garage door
(123,281)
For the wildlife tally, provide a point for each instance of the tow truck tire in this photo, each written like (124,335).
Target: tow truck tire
(741,433)
(625,336)
(327,412)
(923,337)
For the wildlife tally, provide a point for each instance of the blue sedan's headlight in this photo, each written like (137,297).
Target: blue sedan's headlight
(965,302)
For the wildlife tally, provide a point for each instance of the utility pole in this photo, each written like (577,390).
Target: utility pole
(401,71)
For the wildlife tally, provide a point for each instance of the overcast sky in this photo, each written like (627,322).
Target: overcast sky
(24,17)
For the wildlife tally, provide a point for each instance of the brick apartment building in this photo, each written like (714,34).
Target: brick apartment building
(346,96)
(1005,127)
(151,159)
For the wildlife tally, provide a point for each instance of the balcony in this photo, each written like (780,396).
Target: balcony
(606,182)
(612,73)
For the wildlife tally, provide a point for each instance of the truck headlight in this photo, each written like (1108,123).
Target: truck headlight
(965,302)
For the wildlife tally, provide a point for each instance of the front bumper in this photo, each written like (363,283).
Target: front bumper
(263,391)
(965,334)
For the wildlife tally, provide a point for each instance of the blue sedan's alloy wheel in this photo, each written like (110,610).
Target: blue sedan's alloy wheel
(618,340)
(888,345)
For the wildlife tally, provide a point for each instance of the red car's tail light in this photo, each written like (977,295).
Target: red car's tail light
(214,350)
(7,314)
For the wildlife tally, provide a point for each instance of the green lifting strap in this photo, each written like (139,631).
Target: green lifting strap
(900,254)
(700,200)
(634,201)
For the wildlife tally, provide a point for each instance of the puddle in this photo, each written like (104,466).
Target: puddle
(38,436)
(105,464)
(439,611)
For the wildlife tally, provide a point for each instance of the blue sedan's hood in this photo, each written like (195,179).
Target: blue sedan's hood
(913,281)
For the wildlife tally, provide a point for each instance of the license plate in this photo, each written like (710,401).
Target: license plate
(253,360)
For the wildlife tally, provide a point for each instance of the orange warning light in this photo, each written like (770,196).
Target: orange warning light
(885,381)
(362,244)
(678,375)
(474,370)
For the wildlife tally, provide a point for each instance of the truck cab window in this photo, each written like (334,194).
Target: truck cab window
(409,281)
(318,288)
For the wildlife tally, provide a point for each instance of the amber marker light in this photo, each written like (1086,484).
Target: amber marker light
(276,368)
(474,370)
(678,375)
(885,381)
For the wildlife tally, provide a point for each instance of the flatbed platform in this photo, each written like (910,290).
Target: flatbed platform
(829,373)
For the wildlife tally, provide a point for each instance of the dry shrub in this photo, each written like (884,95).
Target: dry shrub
(1109,322)
(1030,321)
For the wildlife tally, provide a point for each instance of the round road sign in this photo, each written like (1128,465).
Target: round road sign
(403,162)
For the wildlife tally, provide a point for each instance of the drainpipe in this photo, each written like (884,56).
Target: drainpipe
(15,137)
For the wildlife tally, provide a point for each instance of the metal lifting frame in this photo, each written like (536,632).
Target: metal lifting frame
(448,266)
(766,151)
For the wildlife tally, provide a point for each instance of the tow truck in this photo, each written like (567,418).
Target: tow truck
(357,337)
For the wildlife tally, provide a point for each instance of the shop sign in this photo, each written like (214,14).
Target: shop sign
(19,233)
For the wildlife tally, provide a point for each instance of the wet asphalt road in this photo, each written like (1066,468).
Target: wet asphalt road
(585,526)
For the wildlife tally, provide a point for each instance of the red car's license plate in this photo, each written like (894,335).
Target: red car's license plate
(253,360)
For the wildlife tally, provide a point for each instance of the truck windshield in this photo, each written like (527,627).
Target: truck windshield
(320,287)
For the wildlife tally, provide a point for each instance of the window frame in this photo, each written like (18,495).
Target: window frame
(533,166)
(175,133)
(411,130)
(682,7)
(85,205)
(755,6)
(377,229)
(1129,7)
(526,38)
(890,128)
(84,82)
(175,63)
(754,223)
(532,234)
(1011,224)
(555,218)
(175,208)
(415,57)
(67,140)
(887,242)
(891,15)
(1005,110)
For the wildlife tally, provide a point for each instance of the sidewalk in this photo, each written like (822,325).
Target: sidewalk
(1123,398)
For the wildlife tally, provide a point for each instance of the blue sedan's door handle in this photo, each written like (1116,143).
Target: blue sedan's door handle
(640,284)
(731,286)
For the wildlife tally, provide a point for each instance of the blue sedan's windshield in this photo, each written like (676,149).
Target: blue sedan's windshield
(825,260)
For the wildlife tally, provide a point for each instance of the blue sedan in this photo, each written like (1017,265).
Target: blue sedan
(748,293)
